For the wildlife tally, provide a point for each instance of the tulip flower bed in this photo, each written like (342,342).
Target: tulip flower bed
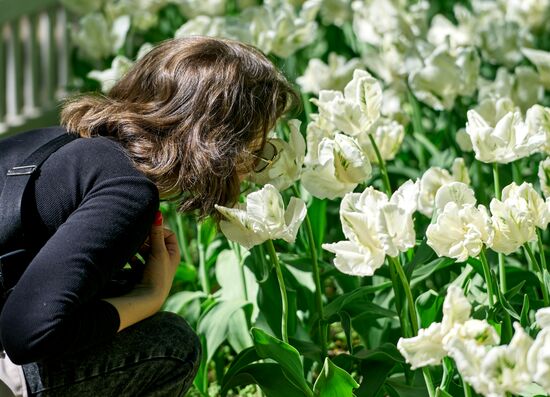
(396,242)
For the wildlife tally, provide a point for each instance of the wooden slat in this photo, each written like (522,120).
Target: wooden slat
(14,9)
(66,48)
(35,60)
(51,85)
(3,72)
(18,70)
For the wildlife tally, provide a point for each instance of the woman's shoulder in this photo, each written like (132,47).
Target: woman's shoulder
(88,164)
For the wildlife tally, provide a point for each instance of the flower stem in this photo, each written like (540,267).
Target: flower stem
(541,250)
(540,275)
(203,273)
(182,240)
(237,250)
(408,293)
(316,280)
(501,270)
(381,165)
(282,288)
(488,278)
(412,315)
(467,389)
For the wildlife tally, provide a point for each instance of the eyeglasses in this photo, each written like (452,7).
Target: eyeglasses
(267,156)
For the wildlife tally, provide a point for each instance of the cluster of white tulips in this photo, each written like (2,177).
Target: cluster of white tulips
(492,369)
(461,228)
(406,114)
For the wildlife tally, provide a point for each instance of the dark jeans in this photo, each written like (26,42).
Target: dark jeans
(156,357)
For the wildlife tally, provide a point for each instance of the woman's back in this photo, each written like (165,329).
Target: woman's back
(79,215)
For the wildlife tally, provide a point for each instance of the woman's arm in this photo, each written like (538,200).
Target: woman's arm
(162,262)
(55,306)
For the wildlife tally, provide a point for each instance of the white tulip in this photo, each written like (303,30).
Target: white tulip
(287,165)
(375,226)
(531,13)
(109,77)
(457,335)
(434,178)
(543,317)
(276,27)
(504,368)
(456,308)
(193,8)
(513,225)
(536,206)
(424,349)
(510,139)
(108,38)
(262,218)
(538,359)
(445,76)
(463,140)
(460,232)
(388,135)
(501,42)
(332,76)
(456,192)
(376,21)
(538,121)
(356,109)
(336,12)
(441,30)
(541,60)
(544,177)
(522,87)
(341,166)
(143,13)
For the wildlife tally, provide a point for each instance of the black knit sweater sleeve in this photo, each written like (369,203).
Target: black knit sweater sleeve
(96,210)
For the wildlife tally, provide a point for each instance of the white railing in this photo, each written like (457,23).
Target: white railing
(34,63)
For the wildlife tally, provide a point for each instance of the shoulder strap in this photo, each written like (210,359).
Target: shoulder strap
(11,198)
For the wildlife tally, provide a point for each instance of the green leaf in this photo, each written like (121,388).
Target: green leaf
(375,374)
(334,382)
(287,356)
(387,352)
(214,324)
(238,335)
(346,325)
(270,304)
(441,393)
(317,212)
(422,255)
(403,390)
(428,306)
(177,302)
(357,302)
(242,359)
(269,376)
(425,271)
(258,264)
(524,316)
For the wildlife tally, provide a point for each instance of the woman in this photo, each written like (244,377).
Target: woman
(186,123)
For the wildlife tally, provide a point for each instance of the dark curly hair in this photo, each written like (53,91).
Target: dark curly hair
(188,114)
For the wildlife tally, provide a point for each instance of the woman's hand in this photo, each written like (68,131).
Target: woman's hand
(162,260)
(163,257)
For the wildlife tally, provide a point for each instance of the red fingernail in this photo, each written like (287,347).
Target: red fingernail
(158,219)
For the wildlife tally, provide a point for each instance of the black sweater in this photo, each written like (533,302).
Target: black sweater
(86,213)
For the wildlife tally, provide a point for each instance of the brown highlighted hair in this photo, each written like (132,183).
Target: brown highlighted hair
(188,115)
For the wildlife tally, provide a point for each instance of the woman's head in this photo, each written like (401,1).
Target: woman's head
(189,113)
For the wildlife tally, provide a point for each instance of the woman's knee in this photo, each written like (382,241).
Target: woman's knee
(174,334)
